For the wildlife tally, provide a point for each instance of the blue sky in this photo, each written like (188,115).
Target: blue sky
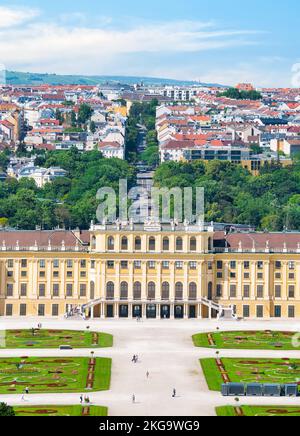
(213,41)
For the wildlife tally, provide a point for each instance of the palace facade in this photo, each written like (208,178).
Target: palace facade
(149,271)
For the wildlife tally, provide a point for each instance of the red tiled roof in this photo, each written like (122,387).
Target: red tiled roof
(275,241)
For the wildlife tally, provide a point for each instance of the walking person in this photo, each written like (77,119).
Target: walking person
(147,374)
(27,391)
(174,393)
(81,399)
(133,399)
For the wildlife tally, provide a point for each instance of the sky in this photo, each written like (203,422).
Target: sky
(216,41)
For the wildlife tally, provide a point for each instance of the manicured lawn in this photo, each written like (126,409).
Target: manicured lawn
(58,411)
(255,340)
(279,371)
(52,375)
(56,338)
(259,411)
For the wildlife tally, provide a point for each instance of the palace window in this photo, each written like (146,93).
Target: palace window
(9,290)
(124,291)
(110,264)
(55,290)
(55,263)
(110,291)
(23,309)
(260,291)
(23,289)
(179,291)
(165,264)
(193,244)
(24,263)
(82,290)
(165,291)
(278,291)
(179,265)
(124,264)
(152,244)
(151,264)
(193,265)
(124,243)
(179,244)
(246,292)
(10,263)
(219,291)
(42,290)
(291,312)
(83,263)
(232,291)
(9,310)
(166,244)
(192,291)
(42,263)
(137,291)
(137,264)
(69,290)
(138,243)
(69,263)
(291,291)
(110,243)
(151,291)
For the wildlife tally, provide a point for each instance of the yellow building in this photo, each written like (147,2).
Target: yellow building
(149,271)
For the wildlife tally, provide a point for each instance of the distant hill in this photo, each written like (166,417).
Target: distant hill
(19,78)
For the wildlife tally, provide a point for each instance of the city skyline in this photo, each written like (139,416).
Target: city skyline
(219,44)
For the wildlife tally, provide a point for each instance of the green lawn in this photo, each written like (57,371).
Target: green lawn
(252,371)
(56,338)
(255,340)
(259,411)
(58,411)
(52,375)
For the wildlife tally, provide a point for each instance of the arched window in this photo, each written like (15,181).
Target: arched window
(138,243)
(110,243)
(193,291)
(124,243)
(210,245)
(193,244)
(124,291)
(137,291)
(166,244)
(179,291)
(151,291)
(165,291)
(92,291)
(152,244)
(94,243)
(110,291)
(179,244)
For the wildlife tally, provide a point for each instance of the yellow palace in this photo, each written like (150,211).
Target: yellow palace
(149,271)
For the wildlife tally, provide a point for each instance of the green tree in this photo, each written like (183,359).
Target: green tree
(6,410)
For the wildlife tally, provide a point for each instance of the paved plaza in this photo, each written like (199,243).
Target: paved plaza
(166,350)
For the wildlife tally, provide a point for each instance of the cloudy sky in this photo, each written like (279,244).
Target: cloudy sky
(212,41)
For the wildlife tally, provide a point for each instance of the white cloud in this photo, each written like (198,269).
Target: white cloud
(10,17)
(79,49)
